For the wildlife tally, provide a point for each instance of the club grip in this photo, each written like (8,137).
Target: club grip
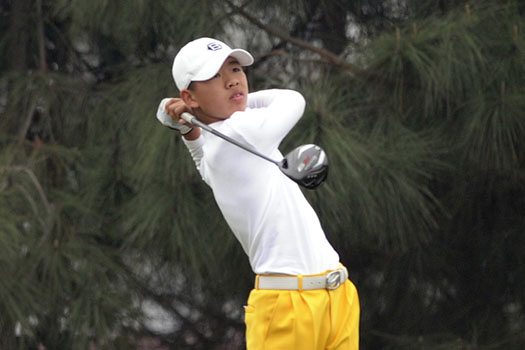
(187,117)
(193,120)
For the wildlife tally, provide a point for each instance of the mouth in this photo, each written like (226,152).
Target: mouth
(237,96)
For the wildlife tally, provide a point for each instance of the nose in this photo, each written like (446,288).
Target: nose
(232,82)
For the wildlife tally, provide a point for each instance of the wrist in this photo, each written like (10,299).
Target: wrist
(194,134)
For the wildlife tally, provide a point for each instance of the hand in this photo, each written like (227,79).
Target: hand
(168,104)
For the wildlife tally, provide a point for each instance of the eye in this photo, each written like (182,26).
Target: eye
(216,75)
(237,69)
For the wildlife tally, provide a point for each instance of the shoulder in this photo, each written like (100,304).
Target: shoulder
(264,98)
(276,92)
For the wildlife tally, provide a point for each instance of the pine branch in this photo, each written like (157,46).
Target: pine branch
(41,38)
(35,181)
(27,122)
(326,55)
(166,303)
(47,224)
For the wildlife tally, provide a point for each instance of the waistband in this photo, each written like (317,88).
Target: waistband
(330,280)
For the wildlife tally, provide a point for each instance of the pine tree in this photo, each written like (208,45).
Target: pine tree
(103,218)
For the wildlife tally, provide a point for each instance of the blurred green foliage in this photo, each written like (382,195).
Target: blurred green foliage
(420,106)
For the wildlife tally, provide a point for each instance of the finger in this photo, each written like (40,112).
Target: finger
(173,100)
(170,102)
(177,112)
(174,110)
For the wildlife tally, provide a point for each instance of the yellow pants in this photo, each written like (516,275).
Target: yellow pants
(305,320)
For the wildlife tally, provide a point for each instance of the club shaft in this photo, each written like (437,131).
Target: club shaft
(193,120)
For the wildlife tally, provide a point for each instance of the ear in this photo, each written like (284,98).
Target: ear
(189,98)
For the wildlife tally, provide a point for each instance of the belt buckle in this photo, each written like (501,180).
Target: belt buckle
(334,279)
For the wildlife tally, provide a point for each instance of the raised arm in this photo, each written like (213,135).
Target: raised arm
(270,117)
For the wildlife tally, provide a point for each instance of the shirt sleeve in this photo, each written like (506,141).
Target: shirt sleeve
(270,116)
(196,150)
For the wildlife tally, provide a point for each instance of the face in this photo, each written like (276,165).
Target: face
(219,97)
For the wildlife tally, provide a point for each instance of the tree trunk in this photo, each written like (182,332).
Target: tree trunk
(19,32)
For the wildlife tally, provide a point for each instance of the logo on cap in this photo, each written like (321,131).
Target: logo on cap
(214,46)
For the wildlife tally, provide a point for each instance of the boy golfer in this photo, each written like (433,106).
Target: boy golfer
(302,297)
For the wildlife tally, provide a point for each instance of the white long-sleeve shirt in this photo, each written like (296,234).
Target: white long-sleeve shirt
(267,212)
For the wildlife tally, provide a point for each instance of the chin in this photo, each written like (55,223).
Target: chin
(241,108)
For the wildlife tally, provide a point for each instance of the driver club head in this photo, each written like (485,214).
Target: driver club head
(307,165)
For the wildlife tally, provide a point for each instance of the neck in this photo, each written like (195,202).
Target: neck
(207,119)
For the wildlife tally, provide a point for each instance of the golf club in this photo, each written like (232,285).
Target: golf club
(307,165)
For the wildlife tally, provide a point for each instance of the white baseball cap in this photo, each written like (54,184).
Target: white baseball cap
(202,58)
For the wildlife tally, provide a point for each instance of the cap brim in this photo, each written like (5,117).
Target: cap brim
(209,70)
(243,56)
